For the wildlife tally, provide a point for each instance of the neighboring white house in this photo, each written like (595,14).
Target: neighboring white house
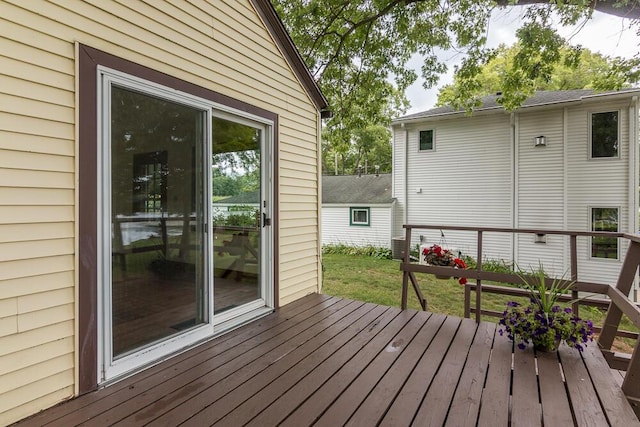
(357,210)
(566,160)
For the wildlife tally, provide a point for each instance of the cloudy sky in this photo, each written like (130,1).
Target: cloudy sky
(606,34)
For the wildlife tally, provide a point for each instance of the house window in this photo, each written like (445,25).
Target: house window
(359,216)
(426,140)
(604,219)
(604,134)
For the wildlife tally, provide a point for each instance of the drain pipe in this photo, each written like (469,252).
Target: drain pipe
(514,183)
(405,213)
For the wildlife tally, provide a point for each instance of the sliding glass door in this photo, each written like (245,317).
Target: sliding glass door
(185,222)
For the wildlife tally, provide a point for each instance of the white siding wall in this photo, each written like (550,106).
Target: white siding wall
(337,230)
(221,45)
(540,196)
(596,183)
(465,181)
(468,181)
(398,191)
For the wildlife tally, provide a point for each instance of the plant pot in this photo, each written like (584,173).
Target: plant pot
(547,348)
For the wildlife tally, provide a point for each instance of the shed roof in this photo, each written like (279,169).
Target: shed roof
(540,98)
(249,197)
(365,189)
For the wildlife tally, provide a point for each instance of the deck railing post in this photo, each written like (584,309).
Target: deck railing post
(406,259)
(573,251)
(479,281)
(625,281)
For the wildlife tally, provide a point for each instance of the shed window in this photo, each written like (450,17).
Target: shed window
(426,140)
(604,134)
(359,216)
(604,219)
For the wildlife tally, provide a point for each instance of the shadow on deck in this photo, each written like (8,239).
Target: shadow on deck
(333,361)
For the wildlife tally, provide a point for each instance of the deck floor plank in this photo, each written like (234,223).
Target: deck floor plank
(176,405)
(494,406)
(611,396)
(384,393)
(90,404)
(160,397)
(344,406)
(287,402)
(403,409)
(584,400)
(465,405)
(330,361)
(525,407)
(436,403)
(240,405)
(314,406)
(556,409)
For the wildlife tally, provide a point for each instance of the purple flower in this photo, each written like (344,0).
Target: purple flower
(567,310)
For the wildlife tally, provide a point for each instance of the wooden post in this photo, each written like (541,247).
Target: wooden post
(573,250)
(479,281)
(625,281)
(406,259)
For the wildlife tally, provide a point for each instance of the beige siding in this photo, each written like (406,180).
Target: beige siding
(220,45)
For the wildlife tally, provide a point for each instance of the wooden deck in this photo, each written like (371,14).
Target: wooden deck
(330,362)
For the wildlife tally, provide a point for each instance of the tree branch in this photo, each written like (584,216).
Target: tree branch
(629,9)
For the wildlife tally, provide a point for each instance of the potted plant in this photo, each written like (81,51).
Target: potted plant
(436,255)
(543,322)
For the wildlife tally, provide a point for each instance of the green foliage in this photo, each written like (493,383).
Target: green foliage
(558,67)
(369,147)
(359,51)
(370,251)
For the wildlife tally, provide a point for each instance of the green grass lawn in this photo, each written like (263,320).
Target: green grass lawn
(379,281)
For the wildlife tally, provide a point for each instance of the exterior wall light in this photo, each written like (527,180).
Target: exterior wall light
(540,141)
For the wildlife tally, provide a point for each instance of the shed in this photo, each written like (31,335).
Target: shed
(357,210)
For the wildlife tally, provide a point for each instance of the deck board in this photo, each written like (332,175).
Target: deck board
(333,361)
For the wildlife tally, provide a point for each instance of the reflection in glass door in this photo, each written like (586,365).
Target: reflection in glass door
(236,214)
(157,286)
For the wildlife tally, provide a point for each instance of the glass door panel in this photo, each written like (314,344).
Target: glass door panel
(158,286)
(236,214)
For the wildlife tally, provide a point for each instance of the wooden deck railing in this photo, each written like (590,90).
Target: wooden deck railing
(616,297)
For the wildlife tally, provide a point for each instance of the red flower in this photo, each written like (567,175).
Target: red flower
(463,281)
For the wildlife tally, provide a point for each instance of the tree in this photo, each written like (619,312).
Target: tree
(358,50)
(369,147)
(577,68)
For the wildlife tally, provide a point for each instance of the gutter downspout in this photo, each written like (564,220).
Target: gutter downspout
(405,213)
(320,265)
(513,127)
(634,179)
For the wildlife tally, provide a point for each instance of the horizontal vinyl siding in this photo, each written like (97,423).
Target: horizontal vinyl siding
(222,46)
(596,183)
(336,229)
(540,196)
(465,181)
(399,149)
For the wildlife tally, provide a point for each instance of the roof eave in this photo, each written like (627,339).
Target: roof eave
(481,111)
